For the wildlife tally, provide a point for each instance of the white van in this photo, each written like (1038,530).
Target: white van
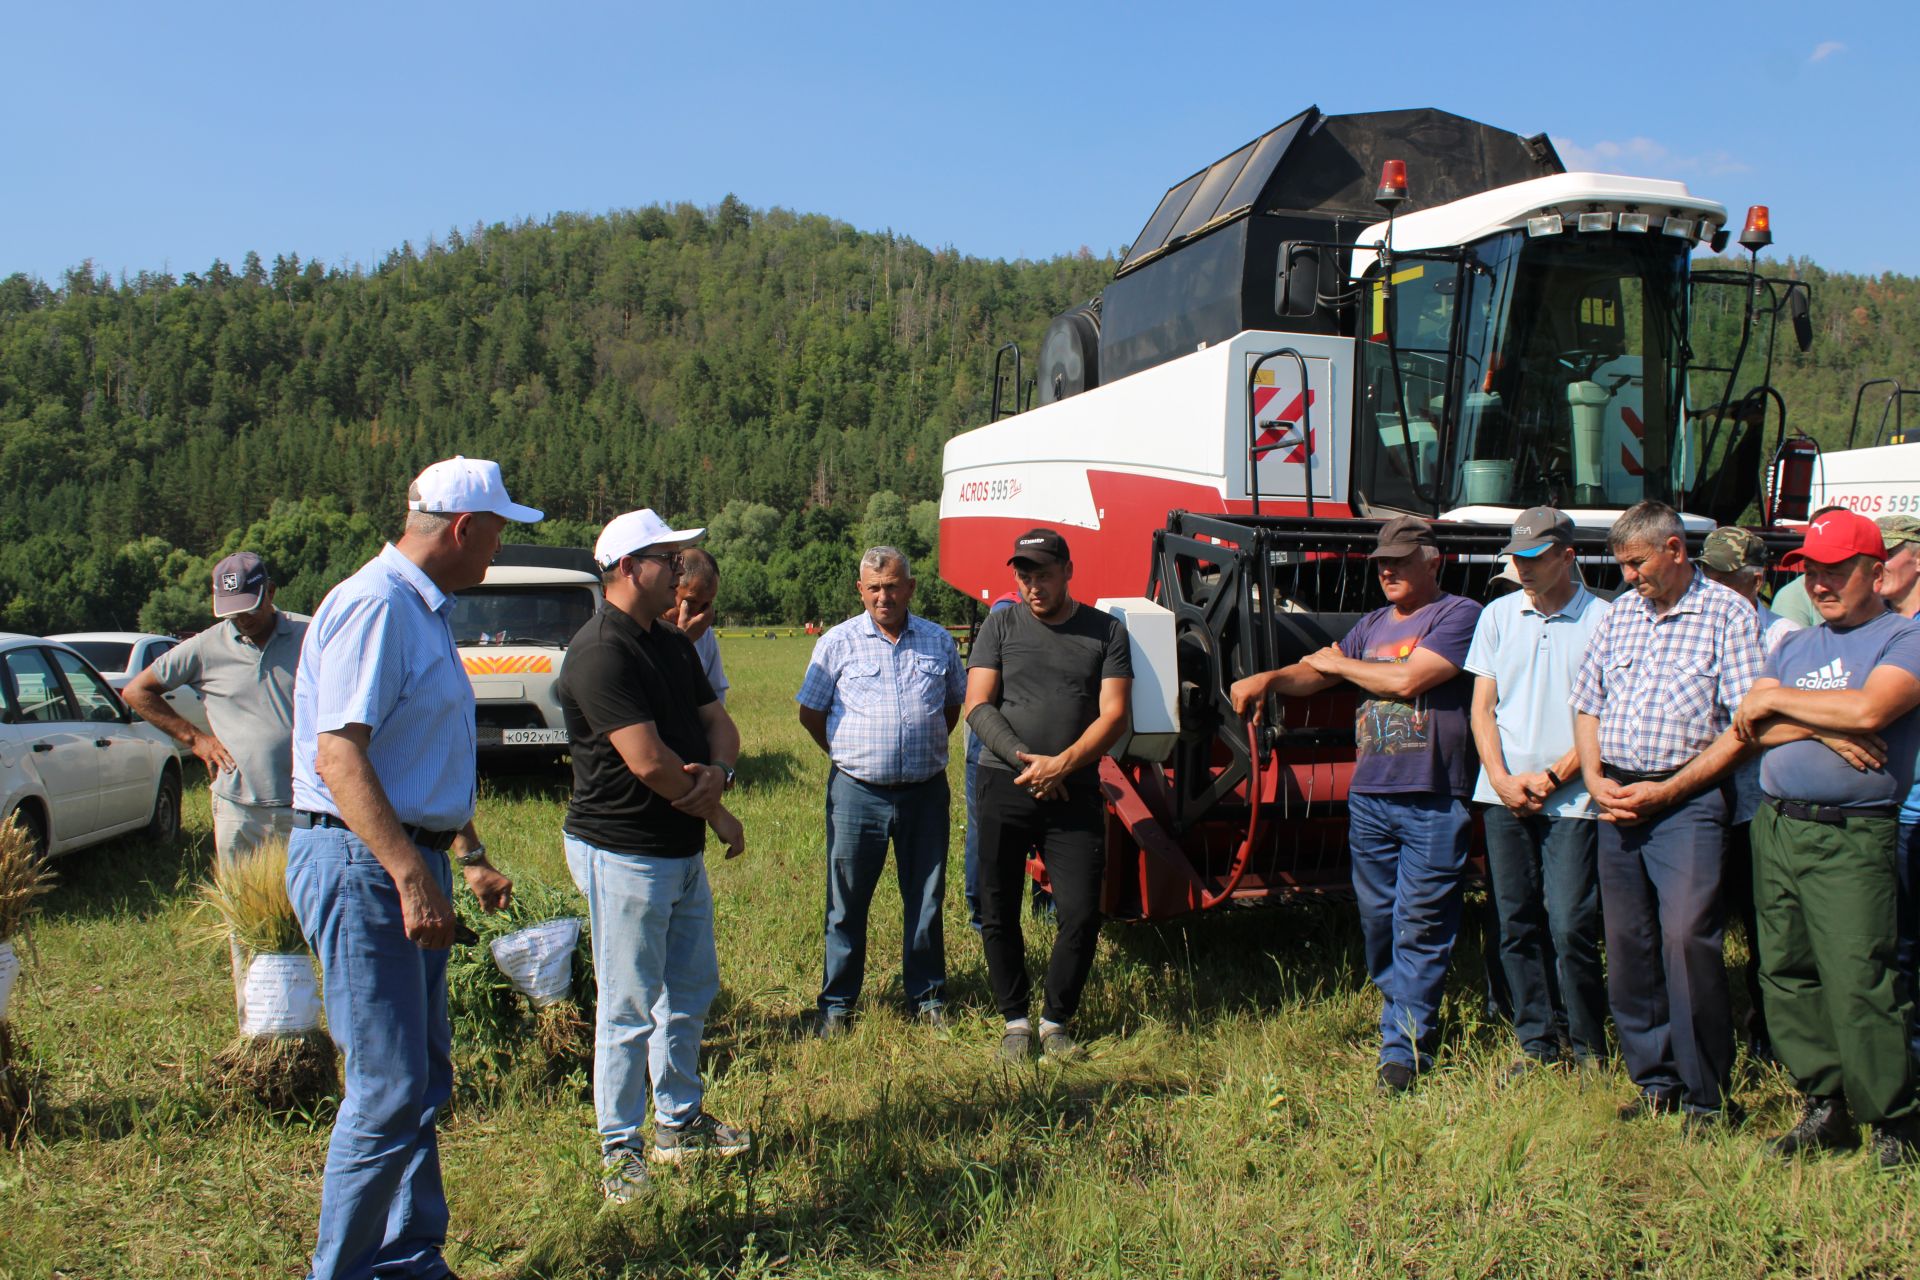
(513,631)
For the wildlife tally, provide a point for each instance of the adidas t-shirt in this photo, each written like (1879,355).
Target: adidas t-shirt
(1827,657)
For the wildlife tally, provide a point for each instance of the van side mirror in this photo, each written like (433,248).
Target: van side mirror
(1802,321)
(1296,286)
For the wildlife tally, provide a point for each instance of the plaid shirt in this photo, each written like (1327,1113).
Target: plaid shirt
(886,700)
(1665,687)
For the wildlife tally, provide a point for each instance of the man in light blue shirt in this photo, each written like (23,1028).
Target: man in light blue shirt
(1539,827)
(383,790)
(881,697)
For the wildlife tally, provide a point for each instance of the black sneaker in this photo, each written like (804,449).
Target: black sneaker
(1825,1125)
(1648,1104)
(1896,1144)
(1394,1078)
(1015,1046)
(701,1136)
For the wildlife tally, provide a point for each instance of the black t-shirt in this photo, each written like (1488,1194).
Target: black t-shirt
(617,675)
(1050,675)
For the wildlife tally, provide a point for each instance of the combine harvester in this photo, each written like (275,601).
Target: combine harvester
(1277,367)
(1878,472)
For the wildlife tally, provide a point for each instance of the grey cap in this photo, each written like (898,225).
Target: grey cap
(239,583)
(1402,536)
(1537,529)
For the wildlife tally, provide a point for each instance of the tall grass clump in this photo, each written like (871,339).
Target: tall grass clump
(24,879)
(281,1059)
(504,1041)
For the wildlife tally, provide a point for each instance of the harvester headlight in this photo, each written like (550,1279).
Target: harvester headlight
(1635,222)
(1682,227)
(1547,224)
(1596,222)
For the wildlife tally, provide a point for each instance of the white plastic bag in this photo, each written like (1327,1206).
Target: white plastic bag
(9,972)
(538,960)
(282,997)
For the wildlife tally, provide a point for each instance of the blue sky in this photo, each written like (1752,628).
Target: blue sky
(164,136)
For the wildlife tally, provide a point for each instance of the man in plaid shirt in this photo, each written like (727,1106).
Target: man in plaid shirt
(1655,698)
(881,697)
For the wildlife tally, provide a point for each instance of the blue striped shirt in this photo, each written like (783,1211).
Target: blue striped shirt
(885,700)
(380,652)
(1664,687)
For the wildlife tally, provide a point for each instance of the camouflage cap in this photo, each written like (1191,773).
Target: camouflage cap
(1728,549)
(1899,530)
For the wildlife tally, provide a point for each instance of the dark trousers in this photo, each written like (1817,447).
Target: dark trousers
(1546,895)
(1736,888)
(1907,867)
(1666,976)
(1071,836)
(1827,893)
(861,820)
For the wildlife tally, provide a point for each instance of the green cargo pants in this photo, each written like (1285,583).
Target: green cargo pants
(1824,895)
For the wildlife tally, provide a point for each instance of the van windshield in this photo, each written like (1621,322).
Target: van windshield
(544,614)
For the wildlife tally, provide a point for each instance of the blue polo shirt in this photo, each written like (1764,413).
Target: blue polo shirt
(1532,658)
(380,652)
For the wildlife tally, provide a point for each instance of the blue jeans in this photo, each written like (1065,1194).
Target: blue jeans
(382,1206)
(1906,864)
(1408,853)
(1546,896)
(861,819)
(657,972)
(1666,974)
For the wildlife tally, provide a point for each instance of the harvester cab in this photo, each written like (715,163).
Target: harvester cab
(1350,317)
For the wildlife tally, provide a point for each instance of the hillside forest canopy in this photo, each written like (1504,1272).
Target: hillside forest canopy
(781,378)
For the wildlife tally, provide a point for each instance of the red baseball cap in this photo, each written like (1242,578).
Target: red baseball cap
(1835,536)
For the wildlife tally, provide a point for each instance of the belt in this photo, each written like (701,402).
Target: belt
(438,841)
(1627,777)
(1830,815)
(894,786)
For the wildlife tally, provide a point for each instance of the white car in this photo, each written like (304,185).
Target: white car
(122,655)
(76,766)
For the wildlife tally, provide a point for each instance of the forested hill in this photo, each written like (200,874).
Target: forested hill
(783,378)
(678,358)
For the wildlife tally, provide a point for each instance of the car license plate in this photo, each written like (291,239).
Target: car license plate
(533,737)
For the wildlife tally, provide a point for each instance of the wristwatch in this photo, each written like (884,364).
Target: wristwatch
(728,770)
(472,857)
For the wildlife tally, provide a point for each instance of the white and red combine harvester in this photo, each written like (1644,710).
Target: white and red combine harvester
(1350,316)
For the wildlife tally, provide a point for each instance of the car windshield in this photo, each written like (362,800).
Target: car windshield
(543,614)
(110,656)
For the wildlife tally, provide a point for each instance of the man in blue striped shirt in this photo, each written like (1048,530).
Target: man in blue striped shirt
(881,697)
(1655,698)
(383,789)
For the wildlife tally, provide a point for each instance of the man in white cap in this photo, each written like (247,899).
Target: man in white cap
(244,669)
(383,791)
(653,752)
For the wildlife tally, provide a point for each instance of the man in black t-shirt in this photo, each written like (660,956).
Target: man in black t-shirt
(653,753)
(1048,685)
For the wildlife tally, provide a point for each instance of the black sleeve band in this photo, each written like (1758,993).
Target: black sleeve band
(996,735)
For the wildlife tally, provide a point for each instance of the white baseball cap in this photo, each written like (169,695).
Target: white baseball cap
(461,484)
(626,534)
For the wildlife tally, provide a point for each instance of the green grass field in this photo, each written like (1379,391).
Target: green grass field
(1224,1124)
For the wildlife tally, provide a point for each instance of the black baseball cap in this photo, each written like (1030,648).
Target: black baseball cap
(1402,536)
(1040,546)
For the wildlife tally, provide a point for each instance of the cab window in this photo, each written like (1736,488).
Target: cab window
(34,693)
